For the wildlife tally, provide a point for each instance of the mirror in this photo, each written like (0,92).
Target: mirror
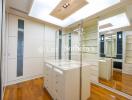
(113,69)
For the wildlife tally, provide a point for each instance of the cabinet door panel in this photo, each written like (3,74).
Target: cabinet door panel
(33,39)
(12,74)
(13,25)
(12,47)
(33,67)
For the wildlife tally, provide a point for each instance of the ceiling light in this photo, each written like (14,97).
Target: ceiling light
(66,5)
(41,9)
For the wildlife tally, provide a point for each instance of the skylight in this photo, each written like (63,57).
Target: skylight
(41,9)
(117,21)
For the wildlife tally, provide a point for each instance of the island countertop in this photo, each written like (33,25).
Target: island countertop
(68,64)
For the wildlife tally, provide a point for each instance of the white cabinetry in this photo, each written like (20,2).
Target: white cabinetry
(48,78)
(62,84)
(33,50)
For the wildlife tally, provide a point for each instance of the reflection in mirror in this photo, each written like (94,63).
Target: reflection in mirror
(110,45)
(114,45)
(115,69)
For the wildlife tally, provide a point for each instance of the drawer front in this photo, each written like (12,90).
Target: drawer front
(58,83)
(58,86)
(58,77)
(47,70)
(59,95)
(47,86)
(47,83)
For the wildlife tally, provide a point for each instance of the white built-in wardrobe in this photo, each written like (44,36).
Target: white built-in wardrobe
(37,37)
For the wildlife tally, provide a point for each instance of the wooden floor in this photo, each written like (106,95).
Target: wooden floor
(119,81)
(30,90)
(33,90)
(99,93)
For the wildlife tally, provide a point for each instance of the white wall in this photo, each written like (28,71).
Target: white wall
(37,38)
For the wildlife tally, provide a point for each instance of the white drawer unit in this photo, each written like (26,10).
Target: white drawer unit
(62,84)
(48,78)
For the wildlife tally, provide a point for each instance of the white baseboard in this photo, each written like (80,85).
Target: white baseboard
(23,79)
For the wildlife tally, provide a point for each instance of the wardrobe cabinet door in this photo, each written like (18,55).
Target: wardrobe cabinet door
(11,74)
(33,40)
(32,67)
(12,48)
(13,25)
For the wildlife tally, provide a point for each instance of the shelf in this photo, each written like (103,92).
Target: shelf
(128,62)
(128,50)
(90,52)
(128,56)
(129,42)
(89,40)
(88,46)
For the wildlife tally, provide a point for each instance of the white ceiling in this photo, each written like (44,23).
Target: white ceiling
(20,5)
(25,6)
(41,9)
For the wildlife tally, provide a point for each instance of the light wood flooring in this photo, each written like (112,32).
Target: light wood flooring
(33,90)
(119,81)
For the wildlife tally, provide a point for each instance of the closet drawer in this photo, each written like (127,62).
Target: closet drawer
(47,87)
(47,82)
(59,94)
(47,70)
(58,75)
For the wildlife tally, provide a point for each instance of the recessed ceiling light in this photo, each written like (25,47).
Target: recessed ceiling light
(66,5)
(41,9)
